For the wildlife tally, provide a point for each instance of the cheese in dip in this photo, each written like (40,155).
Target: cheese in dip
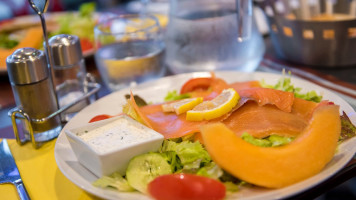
(117,134)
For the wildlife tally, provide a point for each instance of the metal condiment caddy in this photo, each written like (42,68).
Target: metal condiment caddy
(38,80)
(18,113)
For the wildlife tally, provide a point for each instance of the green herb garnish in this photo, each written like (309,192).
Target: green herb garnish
(173,95)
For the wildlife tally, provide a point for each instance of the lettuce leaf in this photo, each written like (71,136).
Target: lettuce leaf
(87,9)
(255,141)
(277,140)
(210,170)
(285,84)
(6,42)
(173,95)
(232,184)
(348,130)
(190,157)
(81,25)
(172,159)
(116,181)
(231,187)
(189,153)
(183,157)
(270,141)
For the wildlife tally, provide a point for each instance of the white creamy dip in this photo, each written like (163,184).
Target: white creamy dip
(117,134)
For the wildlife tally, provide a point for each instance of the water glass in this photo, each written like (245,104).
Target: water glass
(129,50)
(203,35)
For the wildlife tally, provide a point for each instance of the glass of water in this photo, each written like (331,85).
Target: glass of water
(129,50)
(203,35)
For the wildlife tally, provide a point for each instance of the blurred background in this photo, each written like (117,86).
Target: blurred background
(12,8)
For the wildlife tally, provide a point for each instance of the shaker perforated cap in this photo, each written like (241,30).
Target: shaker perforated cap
(27,65)
(65,49)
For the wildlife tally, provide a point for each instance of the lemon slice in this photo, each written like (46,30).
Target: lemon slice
(215,108)
(182,106)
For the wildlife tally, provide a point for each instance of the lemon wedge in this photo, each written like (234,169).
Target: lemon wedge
(182,106)
(215,108)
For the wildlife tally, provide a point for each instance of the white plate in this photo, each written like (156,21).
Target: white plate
(154,92)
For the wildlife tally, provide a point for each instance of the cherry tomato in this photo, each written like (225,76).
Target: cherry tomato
(186,187)
(6,21)
(201,85)
(196,84)
(85,44)
(100,117)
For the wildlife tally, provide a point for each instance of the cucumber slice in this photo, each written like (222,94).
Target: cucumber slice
(144,168)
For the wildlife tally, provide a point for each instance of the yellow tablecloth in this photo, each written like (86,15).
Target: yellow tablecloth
(40,174)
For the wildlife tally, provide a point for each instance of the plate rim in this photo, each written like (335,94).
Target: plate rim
(277,193)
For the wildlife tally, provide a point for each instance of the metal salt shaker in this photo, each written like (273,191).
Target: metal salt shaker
(69,72)
(34,95)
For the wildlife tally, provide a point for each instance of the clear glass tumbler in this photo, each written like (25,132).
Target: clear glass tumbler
(203,35)
(129,50)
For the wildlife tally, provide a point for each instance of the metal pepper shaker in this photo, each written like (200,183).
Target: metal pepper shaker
(34,94)
(69,72)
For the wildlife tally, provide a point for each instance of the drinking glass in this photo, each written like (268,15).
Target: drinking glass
(129,50)
(204,35)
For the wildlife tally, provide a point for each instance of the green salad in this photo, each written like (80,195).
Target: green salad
(184,155)
(80,24)
(285,84)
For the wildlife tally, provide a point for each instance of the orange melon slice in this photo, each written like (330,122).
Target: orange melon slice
(276,167)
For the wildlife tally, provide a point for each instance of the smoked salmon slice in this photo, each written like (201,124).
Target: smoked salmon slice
(169,125)
(245,85)
(282,100)
(206,87)
(262,121)
(209,88)
(260,112)
(248,90)
(303,108)
(259,121)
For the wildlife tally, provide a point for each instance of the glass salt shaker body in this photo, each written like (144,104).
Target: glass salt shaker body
(69,72)
(34,93)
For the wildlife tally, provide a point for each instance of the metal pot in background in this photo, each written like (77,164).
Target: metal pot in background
(320,33)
